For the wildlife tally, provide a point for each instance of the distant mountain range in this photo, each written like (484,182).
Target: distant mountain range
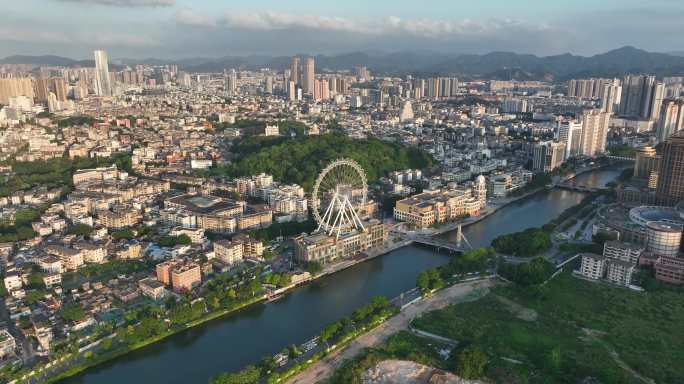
(496,65)
(47,61)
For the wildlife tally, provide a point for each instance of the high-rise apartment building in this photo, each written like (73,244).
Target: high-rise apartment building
(547,156)
(45,86)
(610,94)
(321,90)
(294,70)
(670,190)
(569,132)
(231,82)
(361,72)
(671,119)
(42,89)
(18,86)
(308,76)
(268,85)
(641,97)
(291,90)
(646,165)
(59,87)
(607,91)
(103,84)
(594,132)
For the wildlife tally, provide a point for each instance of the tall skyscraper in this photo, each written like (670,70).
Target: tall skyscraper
(671,119)
(59,87)
(547,156)
(291,90)
(321,90)
(103,85)
(294,70)
(647,165)
(569,132)
(230,81)
(308,76)
(594,132)
(268,86)
(361,72)
(610,94)
(18,86)
(641,97)
(42,89)
(670,190)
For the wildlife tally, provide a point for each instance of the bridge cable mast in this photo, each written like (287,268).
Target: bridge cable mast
(460,238)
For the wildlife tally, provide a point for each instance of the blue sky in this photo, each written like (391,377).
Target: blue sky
(190,28)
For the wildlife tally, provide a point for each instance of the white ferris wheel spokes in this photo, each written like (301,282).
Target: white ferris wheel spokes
(340,189)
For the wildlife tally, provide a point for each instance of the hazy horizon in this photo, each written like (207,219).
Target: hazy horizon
(175,29)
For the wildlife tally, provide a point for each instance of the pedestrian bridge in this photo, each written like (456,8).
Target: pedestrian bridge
(579,188)
(439,243)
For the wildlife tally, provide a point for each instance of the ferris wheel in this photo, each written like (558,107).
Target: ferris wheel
(340,189)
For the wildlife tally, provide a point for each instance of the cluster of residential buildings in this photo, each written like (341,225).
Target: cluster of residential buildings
(436,207)
(177,127)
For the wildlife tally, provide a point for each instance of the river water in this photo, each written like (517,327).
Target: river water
(240,339)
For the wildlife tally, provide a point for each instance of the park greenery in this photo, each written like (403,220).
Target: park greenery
(476,260)
(527,243)
(73,312)
(21,229)
(473,261)
(109,270)
(278,279)
(569,330)
(172,241)
(429,280)
(76,120)
(285,230)
(124,234)
(149,321)
(300,160)
(80,230)
(250,127)
(314,267)
(527,274)
(532,242)
(622,150)
(55,173)
(470,363)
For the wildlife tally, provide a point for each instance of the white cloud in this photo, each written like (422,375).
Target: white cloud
(126,3)
(426,28)
(27,35)
(187,16)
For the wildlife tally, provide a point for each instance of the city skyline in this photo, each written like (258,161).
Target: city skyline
(180,28)
(487,191)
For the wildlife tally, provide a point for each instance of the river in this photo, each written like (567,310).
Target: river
(240,339)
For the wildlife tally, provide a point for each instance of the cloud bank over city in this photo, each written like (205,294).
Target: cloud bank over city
(126,3)
(183,28)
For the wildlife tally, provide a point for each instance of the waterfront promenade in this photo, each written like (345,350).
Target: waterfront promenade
(324,368)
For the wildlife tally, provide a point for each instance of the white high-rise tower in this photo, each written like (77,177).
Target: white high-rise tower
(480,190)
(103,86)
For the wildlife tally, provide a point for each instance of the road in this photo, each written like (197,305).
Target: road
(326,366)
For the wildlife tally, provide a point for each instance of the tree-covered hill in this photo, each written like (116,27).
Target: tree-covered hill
(300,160)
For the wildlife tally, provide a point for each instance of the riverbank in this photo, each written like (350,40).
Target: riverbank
(84,364)
(113,354)
(500,204)
(323,368)
(262,330)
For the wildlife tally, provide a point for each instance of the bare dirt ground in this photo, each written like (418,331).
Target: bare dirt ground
(408,372)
